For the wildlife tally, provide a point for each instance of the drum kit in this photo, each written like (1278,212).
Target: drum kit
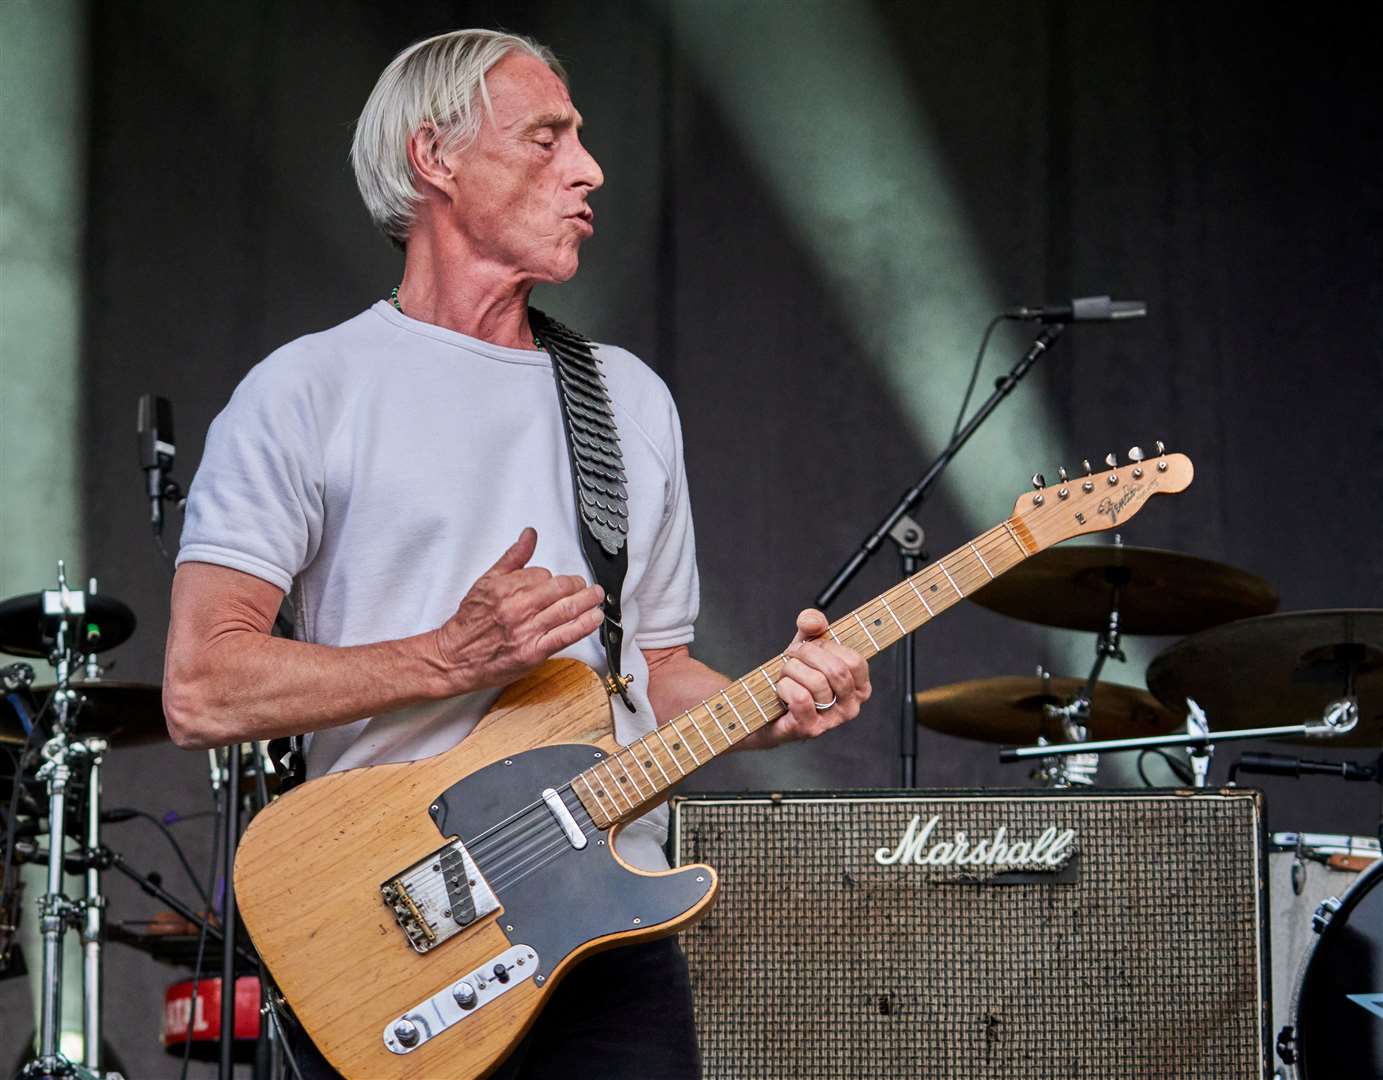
(60,736)
(1300,677)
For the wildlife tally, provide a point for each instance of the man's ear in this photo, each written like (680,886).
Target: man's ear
(429,164)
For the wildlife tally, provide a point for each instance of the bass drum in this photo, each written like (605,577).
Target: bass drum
(1338,1009)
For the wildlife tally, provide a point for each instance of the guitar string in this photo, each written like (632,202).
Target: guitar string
(526,848)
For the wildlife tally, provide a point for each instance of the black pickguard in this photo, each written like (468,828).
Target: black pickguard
(580,895)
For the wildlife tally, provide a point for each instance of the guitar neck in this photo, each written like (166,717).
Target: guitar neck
(623,785)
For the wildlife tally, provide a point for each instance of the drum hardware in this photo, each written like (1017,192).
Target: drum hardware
(1337,721)
(69,627)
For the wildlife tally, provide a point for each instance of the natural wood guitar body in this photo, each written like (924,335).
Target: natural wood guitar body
(309,868)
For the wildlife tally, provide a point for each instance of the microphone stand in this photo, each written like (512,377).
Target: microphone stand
(908,536)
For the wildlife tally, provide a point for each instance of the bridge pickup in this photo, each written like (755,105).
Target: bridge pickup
(438,897)
(575,836)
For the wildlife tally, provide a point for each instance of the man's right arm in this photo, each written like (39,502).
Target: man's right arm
(227,679)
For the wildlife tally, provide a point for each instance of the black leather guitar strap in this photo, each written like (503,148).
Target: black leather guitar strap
(597,474)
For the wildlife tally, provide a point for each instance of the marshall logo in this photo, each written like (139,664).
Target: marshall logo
(1050,851)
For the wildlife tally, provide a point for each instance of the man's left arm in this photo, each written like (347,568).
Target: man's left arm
(817,672)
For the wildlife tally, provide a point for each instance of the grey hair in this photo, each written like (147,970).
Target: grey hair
(440,83)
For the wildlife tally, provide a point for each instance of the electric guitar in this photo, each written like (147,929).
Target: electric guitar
(416,916)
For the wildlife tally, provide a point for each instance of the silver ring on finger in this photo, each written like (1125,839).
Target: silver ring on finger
(829,705)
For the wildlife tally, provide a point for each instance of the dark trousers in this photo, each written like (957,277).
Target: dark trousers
(625,1014)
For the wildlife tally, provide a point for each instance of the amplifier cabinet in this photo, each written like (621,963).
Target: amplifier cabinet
(980,934)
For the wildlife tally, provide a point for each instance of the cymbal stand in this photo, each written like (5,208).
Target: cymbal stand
(1071,769)
(56,912)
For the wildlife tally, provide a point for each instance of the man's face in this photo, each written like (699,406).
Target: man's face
(524,181)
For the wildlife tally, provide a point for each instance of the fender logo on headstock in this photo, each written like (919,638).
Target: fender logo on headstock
(1111,507)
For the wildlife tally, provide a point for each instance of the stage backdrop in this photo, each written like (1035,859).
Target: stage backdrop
(811,210)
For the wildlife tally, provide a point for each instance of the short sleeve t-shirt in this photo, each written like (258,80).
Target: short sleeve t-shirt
(377,469)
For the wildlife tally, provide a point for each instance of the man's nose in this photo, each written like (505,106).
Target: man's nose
(587,172)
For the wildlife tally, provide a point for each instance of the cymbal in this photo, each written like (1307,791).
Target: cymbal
(1160,592)
(128,713)
(1008,709)
(24,630)
(1280,669)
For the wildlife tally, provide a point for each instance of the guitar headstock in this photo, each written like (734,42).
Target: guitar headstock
(1096,501)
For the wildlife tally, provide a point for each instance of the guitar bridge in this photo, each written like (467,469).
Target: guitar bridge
(438,897)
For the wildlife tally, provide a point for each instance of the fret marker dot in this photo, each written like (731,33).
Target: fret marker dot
(732,726)
(877,621)
(677,746)
(933,588)
(648,764)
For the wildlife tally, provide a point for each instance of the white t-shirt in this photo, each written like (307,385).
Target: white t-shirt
(378,468)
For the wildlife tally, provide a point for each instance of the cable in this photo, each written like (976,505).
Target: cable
(177,848)
(201,936)
(975,374)
(1178,768)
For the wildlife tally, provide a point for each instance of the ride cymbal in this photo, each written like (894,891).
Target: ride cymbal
(1281,669)
(1009,709)
(1160,592)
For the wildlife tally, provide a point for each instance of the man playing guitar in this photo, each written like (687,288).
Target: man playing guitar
(381,469)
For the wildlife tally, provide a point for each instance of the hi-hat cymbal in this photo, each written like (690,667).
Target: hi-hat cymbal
(1160,592)
(26,631)
(1009,709)
(1280,669)
(126,713)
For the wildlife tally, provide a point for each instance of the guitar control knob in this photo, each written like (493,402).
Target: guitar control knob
(465,995)
(501,973)
(406,1032)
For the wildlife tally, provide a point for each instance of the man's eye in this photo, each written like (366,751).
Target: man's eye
(547,144)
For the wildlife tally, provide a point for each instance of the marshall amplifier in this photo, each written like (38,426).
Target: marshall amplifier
(976,935)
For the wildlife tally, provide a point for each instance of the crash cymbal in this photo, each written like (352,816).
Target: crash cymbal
(1280,669)
(126,713)
(25,631)
(1008,709)
(1160,592)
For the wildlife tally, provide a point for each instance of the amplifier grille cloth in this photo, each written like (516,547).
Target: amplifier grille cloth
(817,962)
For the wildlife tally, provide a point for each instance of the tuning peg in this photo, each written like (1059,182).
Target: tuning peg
(1039,481)
(1089,485)
(1161,448)
(1161,453)
(1061,472)
(1111,460)
(1135,453)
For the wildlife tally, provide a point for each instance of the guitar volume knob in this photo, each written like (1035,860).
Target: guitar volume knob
(465,995)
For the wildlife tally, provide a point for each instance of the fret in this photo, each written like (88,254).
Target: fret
(711,749)
(832,631)
(755,700)
(638,789)
(951,579)
(729,742)
(866,630)
(596,798)
(654,758)
(615,785)
(889,609)
(696,761)
(1021,546)
(921,597)
(982,562)
(666,747)
(738,717)
(653,784)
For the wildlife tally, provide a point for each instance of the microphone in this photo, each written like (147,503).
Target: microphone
(1082,309)
(1283,765)
(156,451)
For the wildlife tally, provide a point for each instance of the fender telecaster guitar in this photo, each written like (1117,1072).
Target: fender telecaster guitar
(416,916)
